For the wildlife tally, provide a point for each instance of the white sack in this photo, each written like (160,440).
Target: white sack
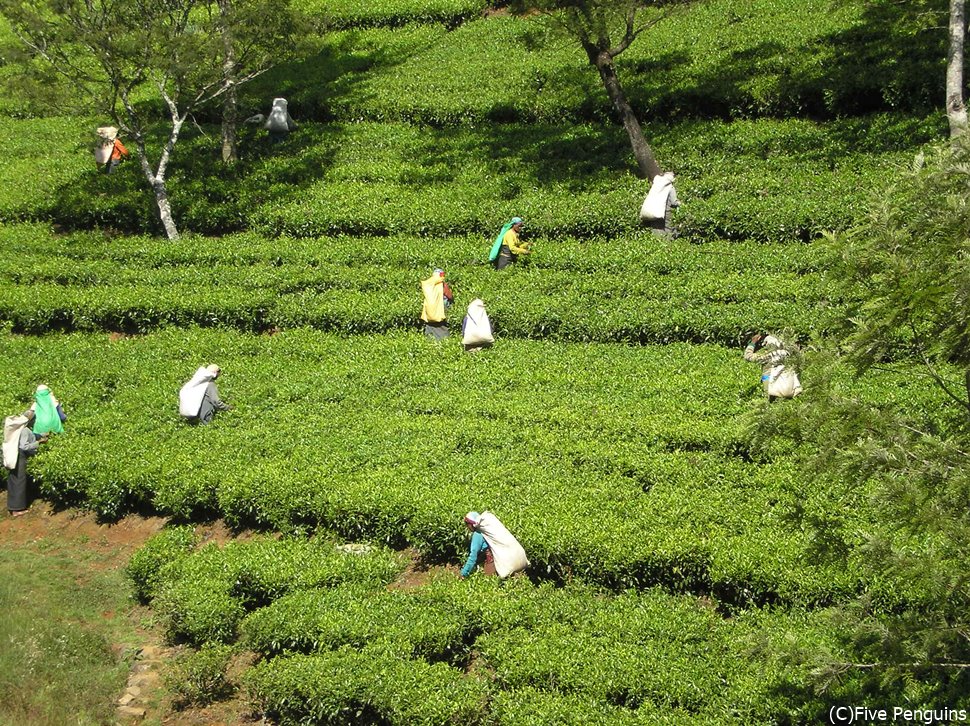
(192,393)
(783,382)
(12,426)
(477,328)
(279,118)
(507,553)
(655,204)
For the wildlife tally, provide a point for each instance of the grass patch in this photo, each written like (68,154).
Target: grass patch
(62,612)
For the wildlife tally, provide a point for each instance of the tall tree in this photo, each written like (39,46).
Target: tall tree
(956,110)
(887,483)
(256,35)
(230,71)
(604,30)
(126,58)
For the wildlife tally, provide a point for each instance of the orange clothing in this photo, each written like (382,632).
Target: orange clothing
(118,150)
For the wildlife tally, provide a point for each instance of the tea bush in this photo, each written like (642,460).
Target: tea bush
(392,13)
(391,438)
(766,180)
(198,678)
(202,597)
(168,546)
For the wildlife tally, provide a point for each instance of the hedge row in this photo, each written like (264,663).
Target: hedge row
(390,13)
(638,290)
(201,596)
(392,438)
(764,180)
(352,649)
(719,59)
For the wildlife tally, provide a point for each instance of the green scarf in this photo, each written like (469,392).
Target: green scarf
(45,412)
(497,247)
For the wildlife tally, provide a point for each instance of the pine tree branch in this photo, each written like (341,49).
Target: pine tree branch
(936,376)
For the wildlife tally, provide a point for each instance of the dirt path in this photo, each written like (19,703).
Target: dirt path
(145,699)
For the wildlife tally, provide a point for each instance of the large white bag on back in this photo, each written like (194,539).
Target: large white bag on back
(507,553)
(783,382)
(655,204)
(476,328)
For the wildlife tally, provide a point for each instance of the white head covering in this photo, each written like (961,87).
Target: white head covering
(192,393)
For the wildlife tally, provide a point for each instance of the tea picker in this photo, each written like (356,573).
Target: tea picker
(503,554)
(199,398)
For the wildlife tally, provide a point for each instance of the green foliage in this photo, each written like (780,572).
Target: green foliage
(766,180)
(198,678)
(398,437)
(409,625)
(166,547)
(645,657)
(371,685)
(202,597)
(908,261)
(628,290)
(392,13)
(884,485)
(718,59)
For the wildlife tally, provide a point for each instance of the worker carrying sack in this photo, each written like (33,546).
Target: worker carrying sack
(497,245)
(507,552)
(476,328)
(105,144)
(655,205)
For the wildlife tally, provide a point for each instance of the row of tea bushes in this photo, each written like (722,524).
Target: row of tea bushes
(202,595)
(390,13)
(453,61)
(347,647)
(640,290)
(720,59)
(764,180)
(392,438)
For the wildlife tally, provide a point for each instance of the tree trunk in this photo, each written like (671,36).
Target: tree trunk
(956,111)
(641,149)
(229,102)
(164,209)
(229,119)
(157,182)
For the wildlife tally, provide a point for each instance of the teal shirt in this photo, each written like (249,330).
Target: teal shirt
(478,546)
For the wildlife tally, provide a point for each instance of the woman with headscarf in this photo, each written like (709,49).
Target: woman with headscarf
(778,376)
(507,246)
(19,443)
(503,554)
(199,398)
(49,416)
(437,296)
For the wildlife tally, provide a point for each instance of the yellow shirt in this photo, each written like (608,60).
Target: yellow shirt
(511,240)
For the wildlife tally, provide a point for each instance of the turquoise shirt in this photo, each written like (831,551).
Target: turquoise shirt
(478,546)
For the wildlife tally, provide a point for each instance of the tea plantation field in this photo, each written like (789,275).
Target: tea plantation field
(609,425)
